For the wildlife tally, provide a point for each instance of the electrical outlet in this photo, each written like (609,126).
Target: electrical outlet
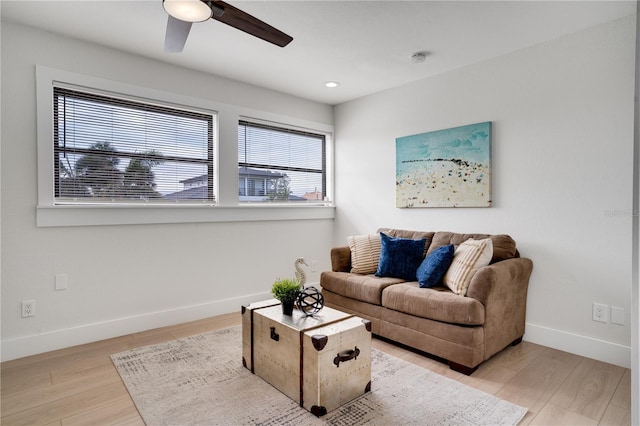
(314,265)
(28,308)
(600,312)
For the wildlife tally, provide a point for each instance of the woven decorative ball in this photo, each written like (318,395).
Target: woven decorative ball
(310,300)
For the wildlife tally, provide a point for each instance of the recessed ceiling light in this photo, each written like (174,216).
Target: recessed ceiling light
(418,57)
(331,84)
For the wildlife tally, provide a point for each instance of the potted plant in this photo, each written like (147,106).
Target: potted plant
(286,291)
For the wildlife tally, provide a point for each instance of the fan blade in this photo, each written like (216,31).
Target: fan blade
(176,36)
(236,18)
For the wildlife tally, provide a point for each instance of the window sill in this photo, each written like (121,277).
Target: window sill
(94,215)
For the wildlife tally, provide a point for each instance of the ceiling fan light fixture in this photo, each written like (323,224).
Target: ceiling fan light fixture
(188,10)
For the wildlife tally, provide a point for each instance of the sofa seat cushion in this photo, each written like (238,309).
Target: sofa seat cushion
(436,303)
(365,288)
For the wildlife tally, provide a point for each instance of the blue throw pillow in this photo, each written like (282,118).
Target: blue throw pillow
(399,257)
(434,266)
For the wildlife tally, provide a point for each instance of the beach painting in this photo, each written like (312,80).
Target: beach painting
(445,168)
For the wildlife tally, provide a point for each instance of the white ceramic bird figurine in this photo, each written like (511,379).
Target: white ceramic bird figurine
(300,275)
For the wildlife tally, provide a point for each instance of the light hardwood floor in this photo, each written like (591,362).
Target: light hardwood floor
(80,386)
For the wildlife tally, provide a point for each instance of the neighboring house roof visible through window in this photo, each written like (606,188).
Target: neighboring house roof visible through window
(197,193)
(196,187)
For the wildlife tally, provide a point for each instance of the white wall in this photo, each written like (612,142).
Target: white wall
(635,285)
(134,277)
(562,116)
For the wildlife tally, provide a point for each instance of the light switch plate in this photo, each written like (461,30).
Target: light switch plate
(617,315)
(62,281)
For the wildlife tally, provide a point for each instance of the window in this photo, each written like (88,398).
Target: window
(278,164)
(114,153)
(119,151)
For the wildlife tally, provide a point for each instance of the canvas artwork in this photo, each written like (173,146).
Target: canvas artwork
(445,168)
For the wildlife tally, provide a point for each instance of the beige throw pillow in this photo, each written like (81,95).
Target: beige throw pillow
(468,257)
(365,253)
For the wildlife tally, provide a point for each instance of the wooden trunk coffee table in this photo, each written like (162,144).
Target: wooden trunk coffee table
(321,361)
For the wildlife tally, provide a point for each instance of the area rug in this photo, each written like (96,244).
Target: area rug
(200,380)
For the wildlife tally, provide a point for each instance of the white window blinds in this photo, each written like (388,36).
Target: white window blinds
(115,150)
(280,165)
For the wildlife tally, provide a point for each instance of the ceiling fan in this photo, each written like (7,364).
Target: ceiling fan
(182,13)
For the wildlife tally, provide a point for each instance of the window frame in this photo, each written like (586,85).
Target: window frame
(154,106)
(227,209)
(294,130)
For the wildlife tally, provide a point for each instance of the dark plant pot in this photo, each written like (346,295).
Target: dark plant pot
(287,307)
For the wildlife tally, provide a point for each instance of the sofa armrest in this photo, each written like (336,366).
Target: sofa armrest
(341,259)
(502,289)
(507,276)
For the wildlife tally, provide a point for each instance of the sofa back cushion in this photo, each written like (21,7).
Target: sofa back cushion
(504,247)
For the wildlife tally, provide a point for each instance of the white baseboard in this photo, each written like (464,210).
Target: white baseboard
(87,333)
(589,347)
(58,339)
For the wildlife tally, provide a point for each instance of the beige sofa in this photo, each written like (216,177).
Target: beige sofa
(464,330)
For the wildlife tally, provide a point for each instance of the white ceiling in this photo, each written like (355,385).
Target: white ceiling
(365,45)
